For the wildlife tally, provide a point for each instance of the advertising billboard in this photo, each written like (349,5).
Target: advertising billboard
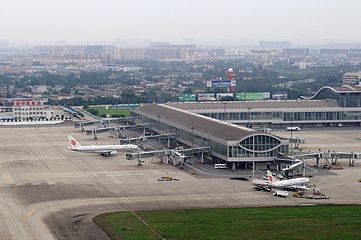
(187,97)
(206,97)
(249,96)
(221,83)
(220,96)
(279,96)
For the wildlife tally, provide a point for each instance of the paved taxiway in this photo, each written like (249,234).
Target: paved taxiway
(48,192)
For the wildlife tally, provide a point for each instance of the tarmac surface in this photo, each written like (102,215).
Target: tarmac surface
(337,139)
(48,192)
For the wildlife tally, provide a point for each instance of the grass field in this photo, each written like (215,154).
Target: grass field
(109,110)
(313,222)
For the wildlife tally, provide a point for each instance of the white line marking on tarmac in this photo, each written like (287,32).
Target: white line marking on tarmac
(32,211)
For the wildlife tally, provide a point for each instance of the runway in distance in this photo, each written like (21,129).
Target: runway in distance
(289,184)
(104,150)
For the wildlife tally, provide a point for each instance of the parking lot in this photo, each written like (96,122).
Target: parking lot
(48,192)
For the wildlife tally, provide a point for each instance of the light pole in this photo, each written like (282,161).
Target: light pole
(253,165)
(249,117)
(291,135)
(159,123)
(224,110)
(116,108)
(192,128)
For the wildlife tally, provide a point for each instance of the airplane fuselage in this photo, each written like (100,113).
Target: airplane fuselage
(127,147)
(290,182)
(283,183)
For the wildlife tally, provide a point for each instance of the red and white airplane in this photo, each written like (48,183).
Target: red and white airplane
(289,184)
(104,150)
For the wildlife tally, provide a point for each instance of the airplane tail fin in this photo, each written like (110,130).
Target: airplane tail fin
(73,142)
(269,176)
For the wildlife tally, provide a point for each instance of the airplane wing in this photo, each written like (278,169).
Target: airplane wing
(107,152)
(259,182)
(296,187)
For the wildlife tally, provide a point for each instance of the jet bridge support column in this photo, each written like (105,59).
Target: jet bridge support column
(233,166)
(144,145)
(202,157)
(304,168)
(351,161)
(139,161)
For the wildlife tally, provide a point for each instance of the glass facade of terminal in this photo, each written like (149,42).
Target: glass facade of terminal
(264,146)
(287,116)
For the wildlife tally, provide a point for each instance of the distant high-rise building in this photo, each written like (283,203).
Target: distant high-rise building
(296,52)
(103,52)
(355,52)
(60,50)
(159,44)
(334,51)
(109,52)
(274,44)
(170,51)
(130,53)
(352,79)
(218,52)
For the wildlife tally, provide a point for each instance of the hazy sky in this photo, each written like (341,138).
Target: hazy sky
(45,21)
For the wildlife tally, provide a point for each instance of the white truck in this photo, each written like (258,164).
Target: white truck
(293,129)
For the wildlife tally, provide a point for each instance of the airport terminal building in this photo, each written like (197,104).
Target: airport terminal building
(231,143)
(222,125)
(346,96)
(277,113)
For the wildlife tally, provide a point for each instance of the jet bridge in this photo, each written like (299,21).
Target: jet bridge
(122,120)
(119,131)
(105,122)
(293,164)
(96,131)
(176,157)
(331,158)
(142,140)
(83,124)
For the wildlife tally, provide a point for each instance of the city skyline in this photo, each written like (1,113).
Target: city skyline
(244,22)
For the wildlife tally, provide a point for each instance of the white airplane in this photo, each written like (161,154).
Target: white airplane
(104,150)
(289,184)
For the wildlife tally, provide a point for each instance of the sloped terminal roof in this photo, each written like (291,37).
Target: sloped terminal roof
(255,104)
(344,89)
(206,125)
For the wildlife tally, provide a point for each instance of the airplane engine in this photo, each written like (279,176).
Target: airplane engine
(109,153)
(113,152)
